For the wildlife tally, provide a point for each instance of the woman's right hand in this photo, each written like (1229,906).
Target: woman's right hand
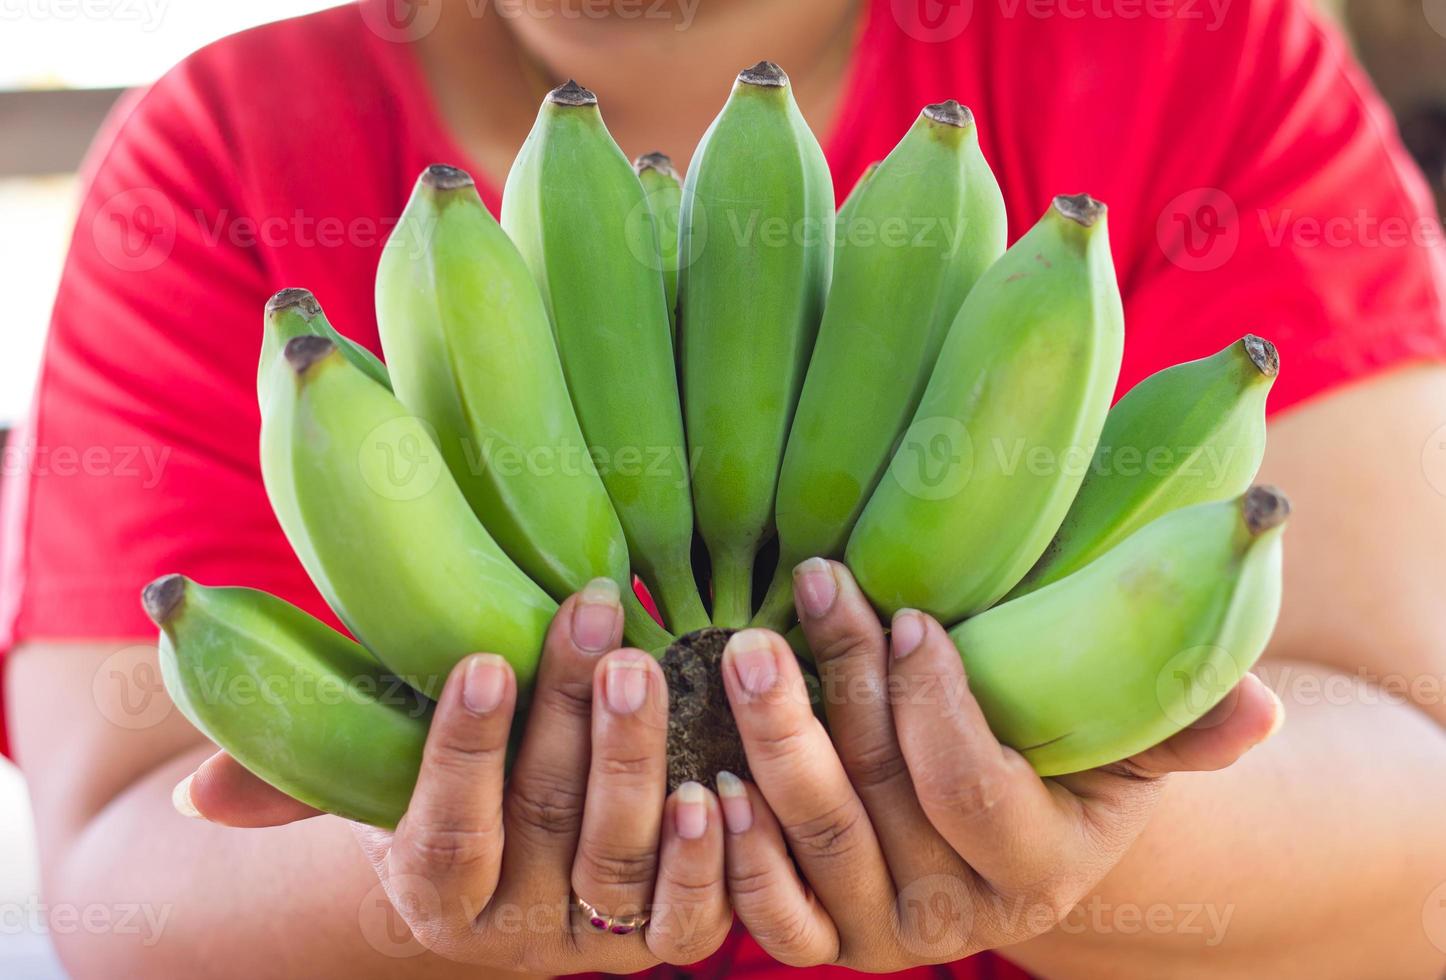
(487,872)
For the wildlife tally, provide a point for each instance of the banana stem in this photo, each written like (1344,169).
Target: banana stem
(677,596)
(640,629)
(777,612)
(732,590)
(799,643)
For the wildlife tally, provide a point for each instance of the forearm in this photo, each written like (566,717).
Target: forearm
(205,901)
(1315,856)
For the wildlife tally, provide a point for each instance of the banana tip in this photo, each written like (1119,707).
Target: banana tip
(293,298)
(442,177)
(1262,354)
(1080,208)
(656,160)
(765,74)
(162,598)
(302,352)
(1264,508)
(950,113)
(571,94)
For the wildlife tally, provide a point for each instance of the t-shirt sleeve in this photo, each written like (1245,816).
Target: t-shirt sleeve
(1286,207)
(140,455)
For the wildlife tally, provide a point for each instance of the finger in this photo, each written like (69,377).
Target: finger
(617,851)
(690,914)
(1247,716)
(224,792)
(799,774)
(772,902)
(983,798)
(549,776)
(451,834)
(852,656)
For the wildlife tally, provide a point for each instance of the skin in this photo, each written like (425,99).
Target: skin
(1318,878)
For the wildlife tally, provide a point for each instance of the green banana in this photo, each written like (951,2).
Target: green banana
(986,471)
(377,520)
(296,313)
(295,702)
(1189,434)
(471,352)
(664,190)
(845,210)
(920,232)
(754,265)
(1136,646)
(572,206)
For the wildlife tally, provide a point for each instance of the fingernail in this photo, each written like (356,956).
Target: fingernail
(627,685)
(1279,722)
(595,616)
(816,587)
(484,684)
(753,660)
(908,632)
(181,799)
(733,798)
(690,816)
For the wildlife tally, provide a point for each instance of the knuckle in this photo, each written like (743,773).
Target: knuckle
(829,835)
(790,937)
(569,697)
(616,867)
(547,805)
(875,763)
(749,887)
(616,765)
(843,647)
(453,755)
(444,845)
(969,794)
(686,887)
(683,935)
(782,742)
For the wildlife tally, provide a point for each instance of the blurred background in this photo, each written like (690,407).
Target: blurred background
(63,63)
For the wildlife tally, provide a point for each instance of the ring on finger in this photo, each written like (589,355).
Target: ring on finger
(617,925)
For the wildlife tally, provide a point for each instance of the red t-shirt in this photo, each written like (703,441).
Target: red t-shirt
(1254,180)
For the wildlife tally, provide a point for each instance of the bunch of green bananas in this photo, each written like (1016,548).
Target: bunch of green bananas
(626,366)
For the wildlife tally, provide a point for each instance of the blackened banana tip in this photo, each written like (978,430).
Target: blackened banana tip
(950,113)
(1080,208)
(300,300)
(571,94)
(656,160)
(1264,509)
(163,597)
(1262,354)
(442,177)
(765,74)
(302,352)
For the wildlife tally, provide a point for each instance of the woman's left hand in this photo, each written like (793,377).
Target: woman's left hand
(919,838)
